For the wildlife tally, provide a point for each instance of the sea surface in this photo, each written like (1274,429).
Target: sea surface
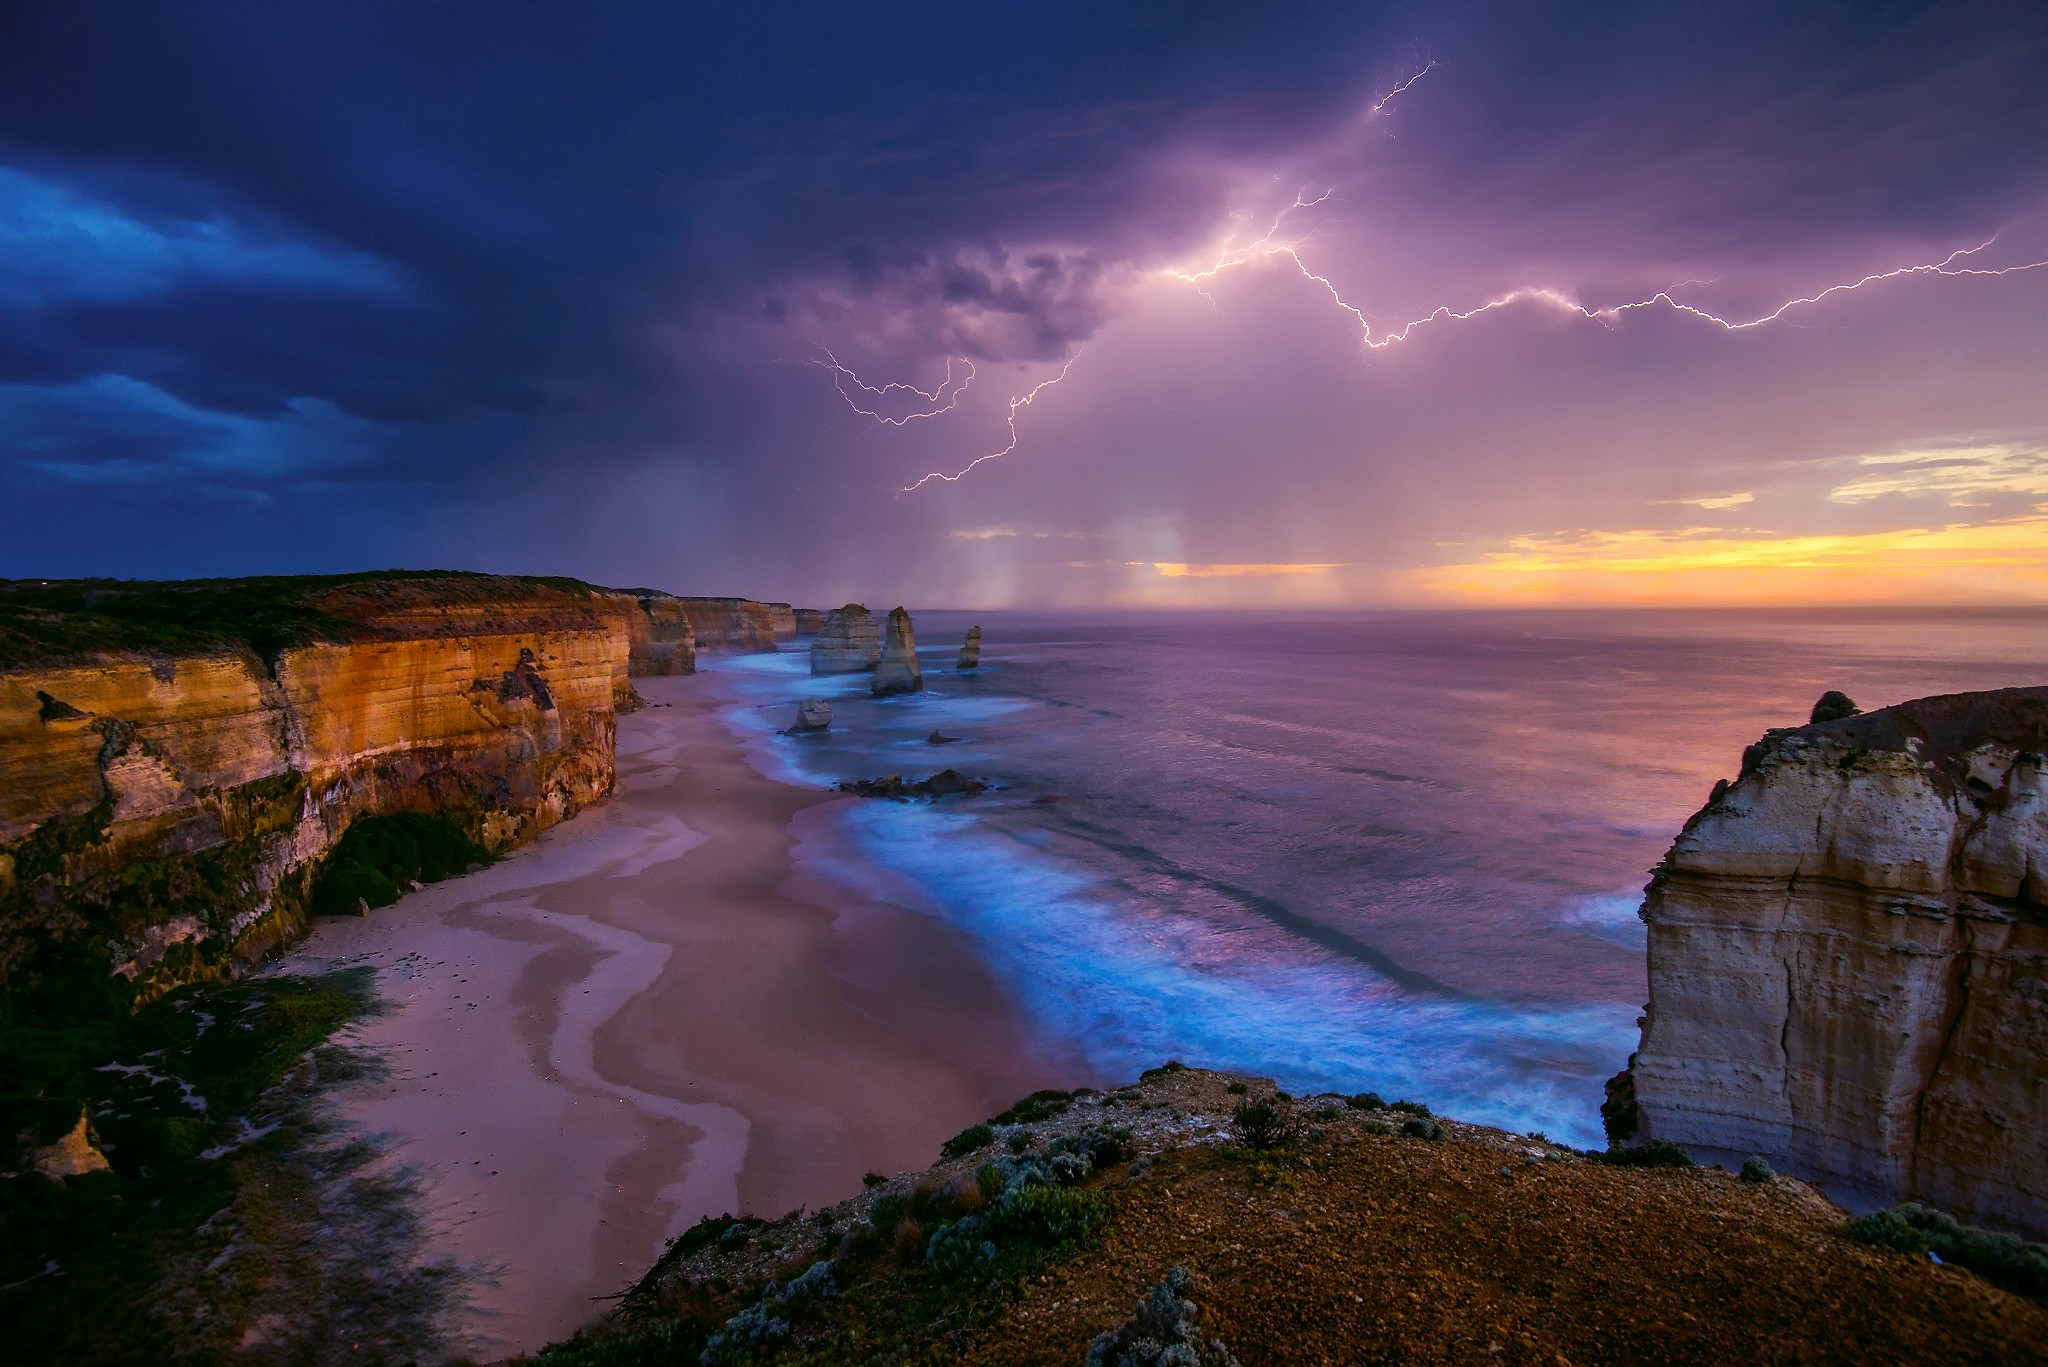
(1398,852)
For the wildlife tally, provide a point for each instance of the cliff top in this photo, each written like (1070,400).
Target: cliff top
(1363,1232)
(60,621)
(1942,730)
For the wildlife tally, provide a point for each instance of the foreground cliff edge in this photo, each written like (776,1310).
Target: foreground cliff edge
(1848,959)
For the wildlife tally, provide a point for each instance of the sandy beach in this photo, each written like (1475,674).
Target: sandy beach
(652,1015)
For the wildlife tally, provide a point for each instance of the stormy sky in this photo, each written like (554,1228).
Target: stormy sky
(1312,304)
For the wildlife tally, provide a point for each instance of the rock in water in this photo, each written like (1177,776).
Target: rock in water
(1846,952)
(850,642)
(809,621)
(812,714)
(1834,705)
(970,654)
(898,671)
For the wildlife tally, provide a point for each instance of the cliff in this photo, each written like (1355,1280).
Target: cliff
(1848,959)
(661,639)
(1312,1230)
(809,621)
(850,642)
(739,623)
(180,757)
(897,671)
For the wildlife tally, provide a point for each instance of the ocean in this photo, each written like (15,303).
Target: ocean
(1397,851)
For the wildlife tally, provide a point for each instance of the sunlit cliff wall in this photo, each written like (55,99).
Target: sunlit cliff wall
(161,811)
(1848,958)
(739,623)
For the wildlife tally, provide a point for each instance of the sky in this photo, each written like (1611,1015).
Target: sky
(1034,305)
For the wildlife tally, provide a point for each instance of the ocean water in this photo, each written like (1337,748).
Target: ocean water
(1398,852)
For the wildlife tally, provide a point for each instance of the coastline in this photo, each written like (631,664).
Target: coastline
(652,1015)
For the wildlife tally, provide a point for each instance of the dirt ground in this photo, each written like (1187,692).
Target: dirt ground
(1482,1247)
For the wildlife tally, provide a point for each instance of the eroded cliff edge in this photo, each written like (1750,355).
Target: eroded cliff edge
(178,758)
(1848,959)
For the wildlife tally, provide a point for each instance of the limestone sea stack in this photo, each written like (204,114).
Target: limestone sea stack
(850,642)
(809,621)
(898,671)
(1848,960)
(970,654)
(812,714)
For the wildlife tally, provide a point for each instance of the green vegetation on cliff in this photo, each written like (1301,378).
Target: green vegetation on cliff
(54,621)
(228,1213)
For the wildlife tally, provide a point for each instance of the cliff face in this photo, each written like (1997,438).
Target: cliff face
(897,672)
(739,623)
(1848,956)
(809,621)
(850,642)
(662,641)
(163,812)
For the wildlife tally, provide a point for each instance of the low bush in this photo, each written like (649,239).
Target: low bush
(1040,1105)
(1655,1154)
(968,1140)
(1366,1101)
(1172,1065)
(1421,1127)
(1754,1169)
(1236,1088)
(2005,1260)
(1411,1107)
(378,856)
(1264,1125)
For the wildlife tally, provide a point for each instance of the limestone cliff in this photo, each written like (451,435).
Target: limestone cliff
(739,623)
(179,757)
(662,639)
(898,672)
(809,621)
(970,653)
(1848,959)
(850,642)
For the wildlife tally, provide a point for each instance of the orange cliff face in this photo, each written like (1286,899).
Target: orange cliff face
(163,814)
(739,623)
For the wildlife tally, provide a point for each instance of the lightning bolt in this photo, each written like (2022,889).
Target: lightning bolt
(1020,401)
(840,375)
(1229,257)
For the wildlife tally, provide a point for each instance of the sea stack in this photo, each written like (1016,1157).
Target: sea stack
(1846,959)
(970,654)
(809,621)
(850,642)
(898,671)
(812,714)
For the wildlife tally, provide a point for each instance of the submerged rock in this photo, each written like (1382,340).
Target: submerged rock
(812,714)
(850,642)
(941,738)
(945,783)
(970,654)
(898,671)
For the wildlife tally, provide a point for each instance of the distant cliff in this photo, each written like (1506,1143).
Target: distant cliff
(1848,958)
(739,623)
(179,758)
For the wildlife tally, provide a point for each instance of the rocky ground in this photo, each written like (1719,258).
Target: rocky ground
(1351,1242)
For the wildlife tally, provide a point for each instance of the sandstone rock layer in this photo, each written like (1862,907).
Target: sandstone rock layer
(809,621)
(1848,959)
(739,623)
(162,813)
(850,642)
(970,653)
(898,671)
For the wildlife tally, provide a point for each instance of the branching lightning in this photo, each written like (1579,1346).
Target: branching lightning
(840,375)
(1021,401)
(1273,243)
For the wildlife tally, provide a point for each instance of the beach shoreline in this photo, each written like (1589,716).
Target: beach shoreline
(655,1014)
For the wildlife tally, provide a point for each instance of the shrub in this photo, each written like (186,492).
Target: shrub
(1236,1088)
(1172,1065)
(379,855)
(1017,1142)
(1040,1105)
(871,1180)
(968,1140)
(1411,1107)
(1328,1110)
(1421,1127)
(1263,1125)
(2005,1260)
(1162,1332)
(1101,1145)
(1377,1127)
(1366,1101)
(1754,1169)
(1655,1154)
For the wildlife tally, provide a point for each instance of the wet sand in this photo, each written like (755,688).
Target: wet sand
(652,1015)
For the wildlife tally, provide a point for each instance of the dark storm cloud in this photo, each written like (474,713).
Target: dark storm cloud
(477,252)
